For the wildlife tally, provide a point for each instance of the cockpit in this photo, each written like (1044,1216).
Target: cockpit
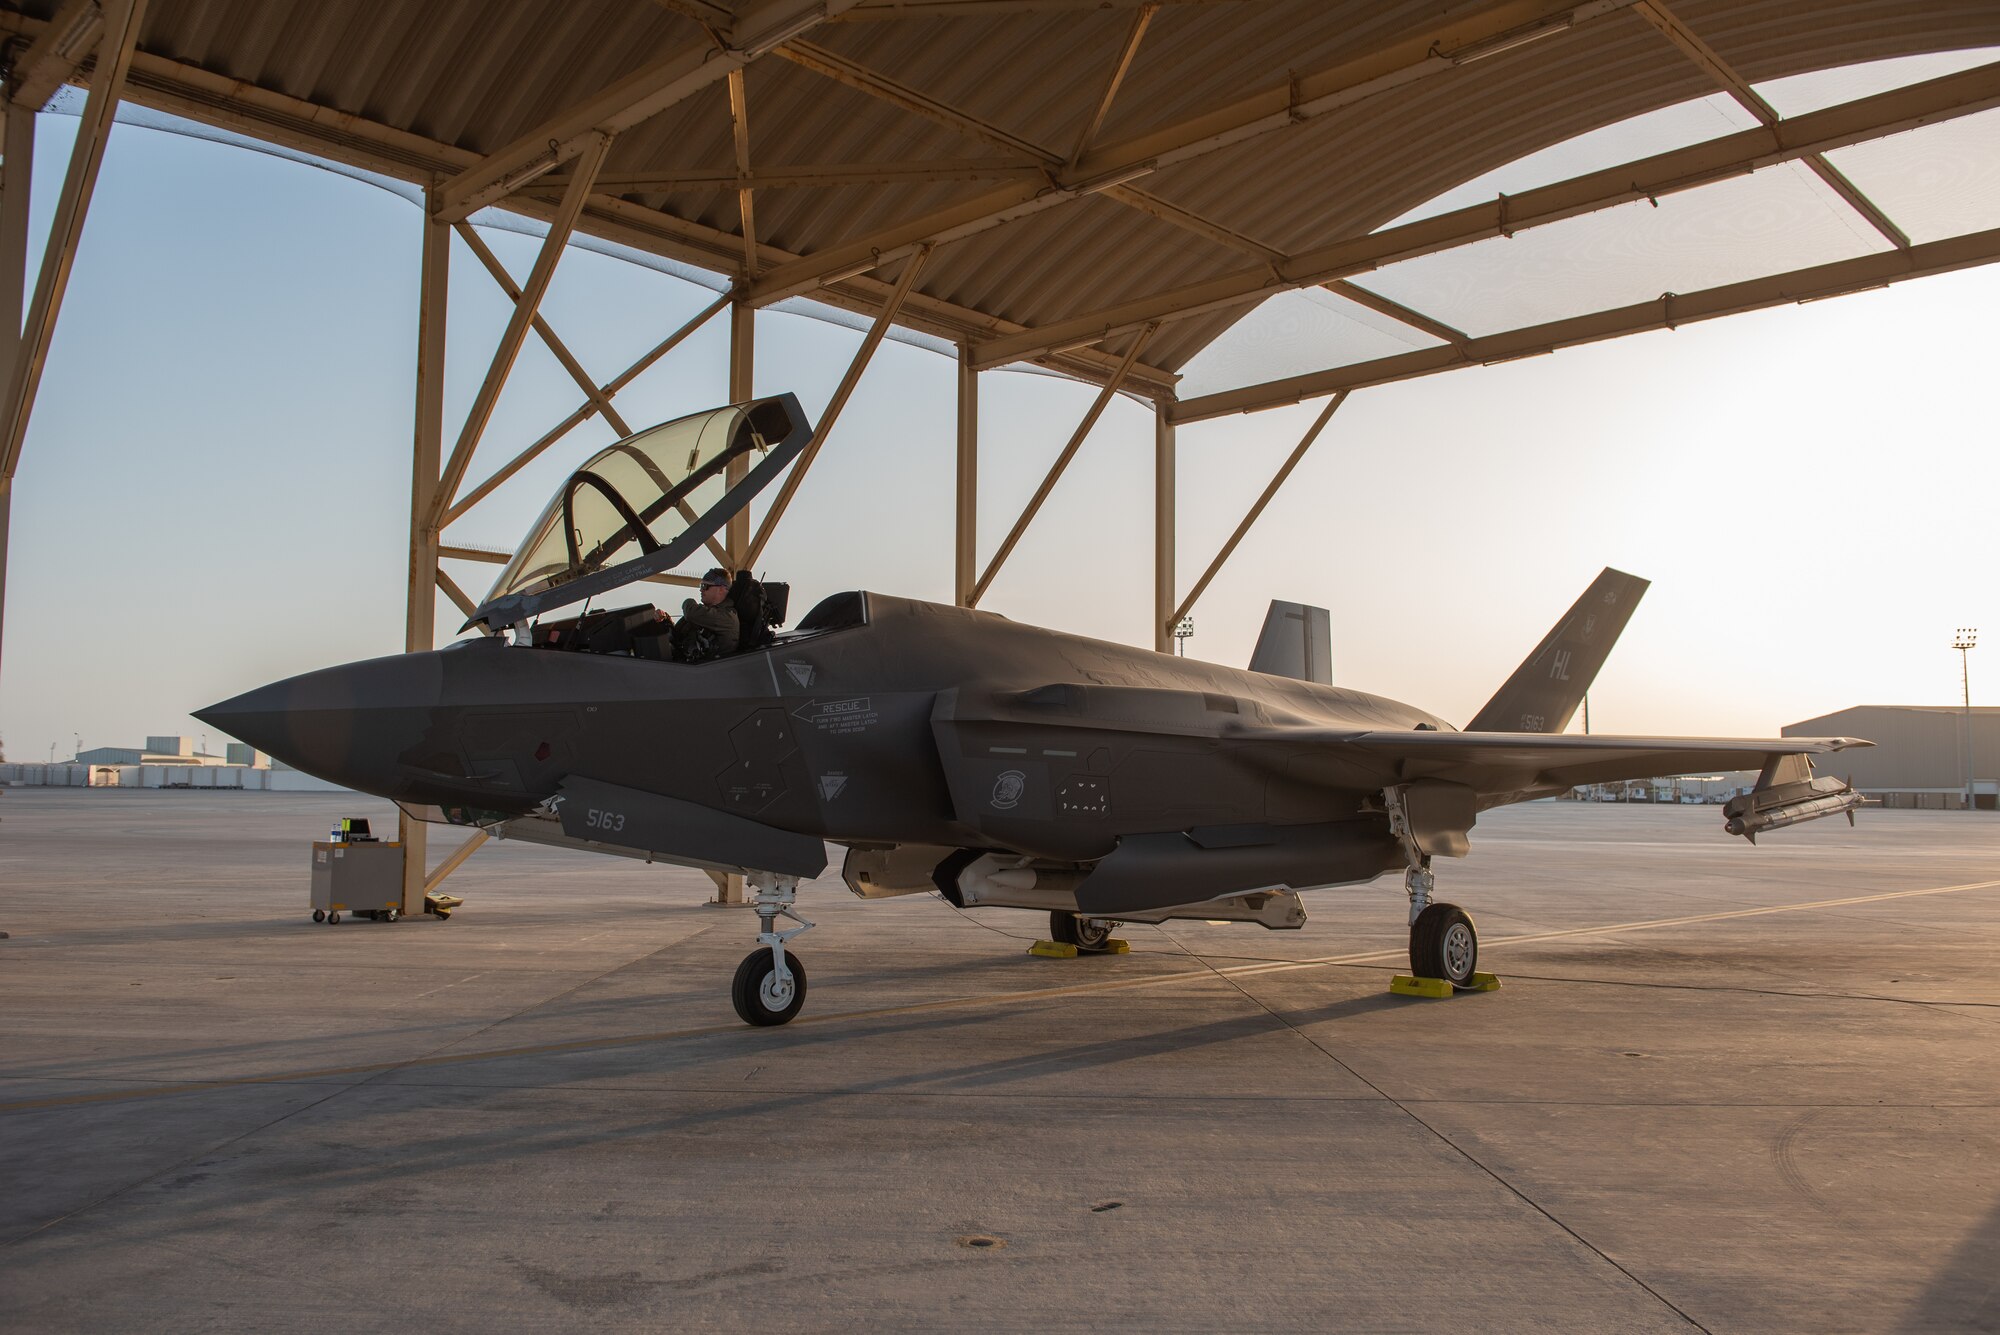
(649,507)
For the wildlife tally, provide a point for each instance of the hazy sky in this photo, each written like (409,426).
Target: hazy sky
(215,489)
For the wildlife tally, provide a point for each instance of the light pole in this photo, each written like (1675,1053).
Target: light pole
(1182,629)
(1965,641)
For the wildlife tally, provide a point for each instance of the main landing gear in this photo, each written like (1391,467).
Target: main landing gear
(1443,942)
(770,985)
(1090,936)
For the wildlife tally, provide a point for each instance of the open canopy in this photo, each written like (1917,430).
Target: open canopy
(644,505)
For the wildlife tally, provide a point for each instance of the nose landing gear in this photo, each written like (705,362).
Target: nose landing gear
(770,984)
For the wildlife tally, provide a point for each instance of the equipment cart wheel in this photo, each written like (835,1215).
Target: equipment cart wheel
(1088,935)
(391,915)
(762,998)
(334,917)
(1443,944)
(319,915)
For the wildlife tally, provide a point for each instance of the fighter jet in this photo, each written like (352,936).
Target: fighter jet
(949,750)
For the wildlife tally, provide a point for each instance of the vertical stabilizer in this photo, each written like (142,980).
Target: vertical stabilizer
(1543,693)
(1297,642)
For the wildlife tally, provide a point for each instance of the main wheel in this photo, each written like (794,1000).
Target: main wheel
(1443,944)
(760,996)
(1088,935)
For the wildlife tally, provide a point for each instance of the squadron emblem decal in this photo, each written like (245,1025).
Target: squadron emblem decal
(1007,790)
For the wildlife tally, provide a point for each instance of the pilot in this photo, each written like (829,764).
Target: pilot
(707,629)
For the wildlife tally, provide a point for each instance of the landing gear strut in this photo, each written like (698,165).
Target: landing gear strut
(770,984)
(1088,935)
(1443,942)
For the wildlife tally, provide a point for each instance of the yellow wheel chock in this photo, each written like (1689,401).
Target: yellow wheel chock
(1062,950)
(1405,985)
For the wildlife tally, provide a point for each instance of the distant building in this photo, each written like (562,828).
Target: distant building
(1919,756)
(170,746)
(126,755)
(240,754)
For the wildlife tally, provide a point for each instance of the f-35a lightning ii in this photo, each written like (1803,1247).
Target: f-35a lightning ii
(948,749)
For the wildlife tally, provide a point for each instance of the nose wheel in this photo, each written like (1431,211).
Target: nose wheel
(770,984)
(761,996)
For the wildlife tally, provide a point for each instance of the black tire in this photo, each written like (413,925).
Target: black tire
(746,993)
(390,915)
(319,915)
(1088,935)
(334,918)
(1444,944)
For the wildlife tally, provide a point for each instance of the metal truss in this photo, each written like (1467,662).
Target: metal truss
(1462,37)
(1650,178)
(1668,311)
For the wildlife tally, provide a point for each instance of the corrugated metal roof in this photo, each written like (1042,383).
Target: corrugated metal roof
(424,90)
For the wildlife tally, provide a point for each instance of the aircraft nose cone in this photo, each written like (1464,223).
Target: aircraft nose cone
(349,725)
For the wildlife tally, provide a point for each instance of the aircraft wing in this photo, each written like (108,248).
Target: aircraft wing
(1496,763)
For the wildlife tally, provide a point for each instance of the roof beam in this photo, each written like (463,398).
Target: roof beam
(1656,13)
(1666,173)
(637,97)
(1126,54)
(746,207)
(1669,311)
(878,10)
(54,56)
(801,177)
(1470,33)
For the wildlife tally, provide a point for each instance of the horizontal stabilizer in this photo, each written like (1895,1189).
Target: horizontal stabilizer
(1544,692)
(1297,642)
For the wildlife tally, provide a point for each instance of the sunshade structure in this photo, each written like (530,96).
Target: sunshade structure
(1099,186)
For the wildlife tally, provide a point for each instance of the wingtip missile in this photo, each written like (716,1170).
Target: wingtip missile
(1775,808)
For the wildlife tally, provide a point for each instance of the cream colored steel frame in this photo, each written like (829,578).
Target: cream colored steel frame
(467,180)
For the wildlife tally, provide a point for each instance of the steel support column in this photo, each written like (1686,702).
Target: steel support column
(965,532)
(1163,527)
(16,171)
(420,621)
(742,382)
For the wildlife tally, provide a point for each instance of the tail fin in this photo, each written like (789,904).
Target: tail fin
(1543,693)
(1297,642)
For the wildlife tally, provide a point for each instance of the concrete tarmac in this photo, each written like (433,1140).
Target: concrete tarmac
(1722,1088)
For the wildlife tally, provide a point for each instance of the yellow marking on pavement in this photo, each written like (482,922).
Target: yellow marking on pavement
(1202,974)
